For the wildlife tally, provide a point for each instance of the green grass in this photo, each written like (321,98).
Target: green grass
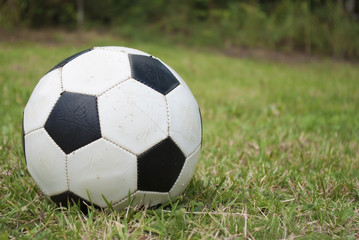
(279,158)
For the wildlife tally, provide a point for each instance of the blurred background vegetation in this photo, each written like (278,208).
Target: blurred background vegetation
(315,27)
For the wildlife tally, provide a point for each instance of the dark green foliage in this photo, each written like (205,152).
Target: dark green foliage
(51,12)
(311,26)
(37,13)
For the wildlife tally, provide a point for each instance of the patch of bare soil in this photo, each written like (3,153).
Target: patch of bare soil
(270,55)
(277,56)
(54,37)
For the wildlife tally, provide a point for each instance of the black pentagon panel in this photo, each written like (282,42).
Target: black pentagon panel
(153,73)
(69,198)
(63,62)
(159,167)
(74,121)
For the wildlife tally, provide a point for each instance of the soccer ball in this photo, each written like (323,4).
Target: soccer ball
(112,127)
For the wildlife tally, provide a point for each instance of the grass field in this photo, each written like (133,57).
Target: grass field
(279,158)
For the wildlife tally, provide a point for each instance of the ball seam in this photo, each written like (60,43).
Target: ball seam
(109,49)
(114,86)
(124,149)
(123,200)
(168,117)
(61,82)
(67,173)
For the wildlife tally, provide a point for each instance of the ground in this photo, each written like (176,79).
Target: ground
(279,157)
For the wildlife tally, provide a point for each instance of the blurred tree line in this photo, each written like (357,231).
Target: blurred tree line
(329,27)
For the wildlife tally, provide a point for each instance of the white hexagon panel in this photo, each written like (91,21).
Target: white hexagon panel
(95,71)
(42,100)
(102,170)
(185,119)
(133,116)
(46,162)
